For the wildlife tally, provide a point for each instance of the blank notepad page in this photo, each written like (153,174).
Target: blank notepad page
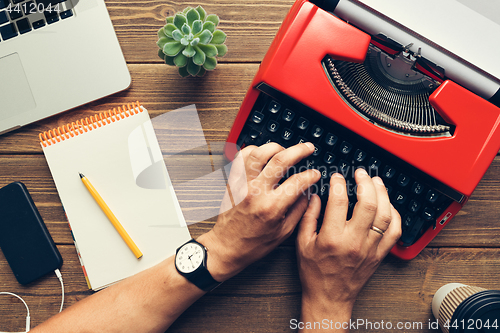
(123,161)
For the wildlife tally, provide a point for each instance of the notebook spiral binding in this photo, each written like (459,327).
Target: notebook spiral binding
(87,124)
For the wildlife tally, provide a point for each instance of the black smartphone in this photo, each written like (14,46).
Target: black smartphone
(24,238)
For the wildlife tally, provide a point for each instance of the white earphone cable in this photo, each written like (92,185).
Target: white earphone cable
(59,276)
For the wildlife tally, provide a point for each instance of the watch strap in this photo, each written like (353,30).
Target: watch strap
(204,280)
(201,277)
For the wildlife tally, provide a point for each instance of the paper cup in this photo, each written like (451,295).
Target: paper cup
(461,308)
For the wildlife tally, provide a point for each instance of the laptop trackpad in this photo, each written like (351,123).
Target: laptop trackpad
(15,92)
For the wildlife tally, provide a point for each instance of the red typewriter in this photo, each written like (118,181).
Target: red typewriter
(399,106)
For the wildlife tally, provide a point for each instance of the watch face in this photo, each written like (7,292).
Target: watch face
(189,257)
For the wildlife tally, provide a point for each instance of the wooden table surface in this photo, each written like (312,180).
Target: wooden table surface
(266,296)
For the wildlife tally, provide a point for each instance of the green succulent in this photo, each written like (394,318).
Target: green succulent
(191,41)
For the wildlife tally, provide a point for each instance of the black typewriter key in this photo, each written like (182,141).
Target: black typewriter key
(329,158)
(374,164)
(287,134)
(324,171)
(331,139)
(323,191)
(351,190)
(407,221)
(288,115)
(400,198)
(345,147)
(309,164)
(272,126)
(8,31)
(4,4)
(274,107)
(302,123)
(268,141)
(428,214)
(317,131)
(432,196)
(254,134)
(257,117)
(414,206)
(317,151)
(23,25)
(388,172)
(344,167)
(411,234)
(417,188)
(359,156)
(403,180)
(301,140)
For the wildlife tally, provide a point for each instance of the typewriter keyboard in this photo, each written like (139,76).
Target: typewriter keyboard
(413,193)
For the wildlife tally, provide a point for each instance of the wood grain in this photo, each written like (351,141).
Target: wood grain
(160,89)
(265,296)
(476,225)
(250,26)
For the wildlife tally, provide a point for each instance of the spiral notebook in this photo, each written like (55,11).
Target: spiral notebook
(119,153)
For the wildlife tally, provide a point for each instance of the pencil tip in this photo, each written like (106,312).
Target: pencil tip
(81,175)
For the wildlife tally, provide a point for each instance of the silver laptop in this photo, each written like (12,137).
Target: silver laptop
(54,56)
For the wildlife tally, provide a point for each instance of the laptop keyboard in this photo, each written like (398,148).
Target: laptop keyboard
(18,17)
(419,198)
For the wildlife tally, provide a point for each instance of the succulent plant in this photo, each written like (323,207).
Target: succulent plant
(191,41)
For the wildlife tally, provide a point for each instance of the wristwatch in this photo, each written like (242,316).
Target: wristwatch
(191,262)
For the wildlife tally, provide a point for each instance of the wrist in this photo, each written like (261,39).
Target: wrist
(320,307)
(220,263)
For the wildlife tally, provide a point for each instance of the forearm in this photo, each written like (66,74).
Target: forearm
(147,302)
(153,299)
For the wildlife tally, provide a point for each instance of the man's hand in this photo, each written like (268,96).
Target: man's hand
(336,263)
(265,214)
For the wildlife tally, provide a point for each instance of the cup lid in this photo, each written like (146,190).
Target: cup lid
(478,313)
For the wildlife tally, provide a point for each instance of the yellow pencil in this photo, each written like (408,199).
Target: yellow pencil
(111,217)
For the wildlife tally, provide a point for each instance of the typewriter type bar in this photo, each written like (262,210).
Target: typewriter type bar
(325,81)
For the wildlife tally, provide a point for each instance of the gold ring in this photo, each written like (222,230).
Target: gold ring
(377,230)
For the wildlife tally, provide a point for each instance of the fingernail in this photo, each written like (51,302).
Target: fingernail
(337,175)
(378,180)
(361,171)
(310,145)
